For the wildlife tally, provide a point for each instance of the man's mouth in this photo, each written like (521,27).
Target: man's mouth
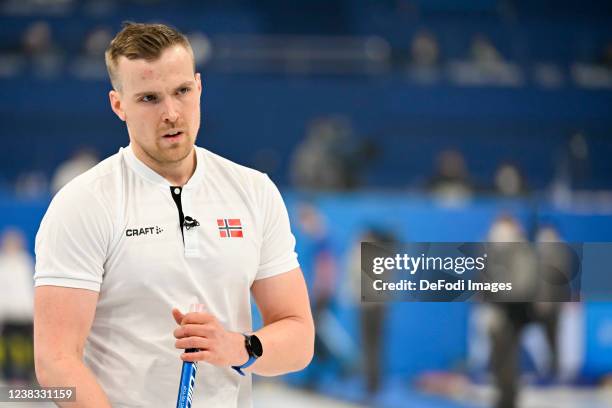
(175,134)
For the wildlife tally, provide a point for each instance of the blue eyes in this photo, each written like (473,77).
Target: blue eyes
(153,98)
(148,98)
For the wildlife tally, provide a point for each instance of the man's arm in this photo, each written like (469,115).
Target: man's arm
(62,320)
(288,333)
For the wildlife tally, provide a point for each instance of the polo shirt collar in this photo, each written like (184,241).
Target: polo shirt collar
(149,174)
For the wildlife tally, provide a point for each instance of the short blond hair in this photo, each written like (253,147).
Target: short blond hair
(141,41)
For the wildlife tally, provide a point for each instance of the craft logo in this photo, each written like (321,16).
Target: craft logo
(136,232)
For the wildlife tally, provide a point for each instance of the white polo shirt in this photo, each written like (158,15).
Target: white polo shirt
(115,229)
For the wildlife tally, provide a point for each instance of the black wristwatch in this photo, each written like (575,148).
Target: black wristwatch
(254,349)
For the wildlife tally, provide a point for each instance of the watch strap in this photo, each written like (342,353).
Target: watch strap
(252,356)
(249,362)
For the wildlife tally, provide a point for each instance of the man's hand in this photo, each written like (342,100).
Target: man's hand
(200,330)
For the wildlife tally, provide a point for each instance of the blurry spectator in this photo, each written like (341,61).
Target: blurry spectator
(96,42)
(597,73)
(509,181)
(555,267)
(548,75)
(324,268)
(516,263)
(508,319)
(579,160)
(16,274)
(40,50)
(321,266)
(484,54)
(424,58)
(506,228)
(491,65)
(90,63)
(12,60)
(540,274)
(316,163)
(450,181)
(31,184)
(16,299)
(572,168)
(83,160)
(591,76)
(37,39)
(372,315)
(485,66)
(330,158)
(424,50)
(202,48)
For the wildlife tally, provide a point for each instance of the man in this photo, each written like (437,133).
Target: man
(127,246)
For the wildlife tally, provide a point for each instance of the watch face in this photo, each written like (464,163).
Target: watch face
(255,346)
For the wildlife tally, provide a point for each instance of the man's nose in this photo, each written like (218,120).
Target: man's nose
(171,113)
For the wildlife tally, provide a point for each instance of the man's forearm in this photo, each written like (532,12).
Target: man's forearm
(288,346)
(71,372)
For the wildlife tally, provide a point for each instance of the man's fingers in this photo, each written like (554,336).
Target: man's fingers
(197,356)
(192,317)
(199,330)
(197,317)
(192,343)
(178,316)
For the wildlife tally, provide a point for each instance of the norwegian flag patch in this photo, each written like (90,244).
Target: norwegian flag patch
(230,227)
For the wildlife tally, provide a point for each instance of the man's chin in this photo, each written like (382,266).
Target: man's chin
(175,154)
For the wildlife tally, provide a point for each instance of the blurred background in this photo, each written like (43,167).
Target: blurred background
(388,120)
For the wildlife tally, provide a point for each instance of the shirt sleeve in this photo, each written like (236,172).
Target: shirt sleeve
(278,246)
(73,240)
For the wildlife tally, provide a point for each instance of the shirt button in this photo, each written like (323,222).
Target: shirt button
(177,191)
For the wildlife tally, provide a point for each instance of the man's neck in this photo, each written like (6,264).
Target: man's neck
(177,173)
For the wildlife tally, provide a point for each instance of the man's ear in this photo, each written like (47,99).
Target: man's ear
(198,79)
(115,101)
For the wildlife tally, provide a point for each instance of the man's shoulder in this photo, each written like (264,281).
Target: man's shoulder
(96,182)
(219,166)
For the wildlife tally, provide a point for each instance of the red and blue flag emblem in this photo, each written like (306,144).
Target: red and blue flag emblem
(230,228)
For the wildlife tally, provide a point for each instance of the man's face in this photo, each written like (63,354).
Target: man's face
(160,103)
